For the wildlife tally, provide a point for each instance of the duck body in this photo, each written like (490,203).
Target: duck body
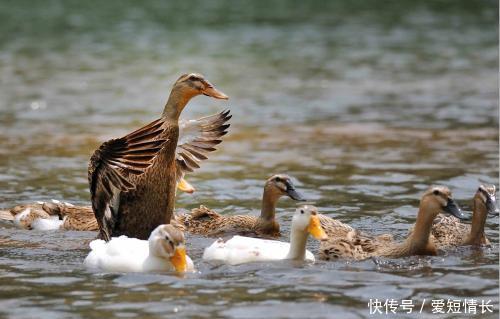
(123,254)
(449,232)
(152,200)
(346,242)
(241,249)
(204,221)
(207,222)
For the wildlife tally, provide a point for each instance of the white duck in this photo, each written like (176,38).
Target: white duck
(240,249)
(163,251)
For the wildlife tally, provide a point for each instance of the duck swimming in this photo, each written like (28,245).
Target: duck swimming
(358,246)
(240,250)
(448,231)
(207,222)
(133,179)
(50,216)
(163,251)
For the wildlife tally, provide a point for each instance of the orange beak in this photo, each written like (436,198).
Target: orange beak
(213,92)
(315,228)
(179,259)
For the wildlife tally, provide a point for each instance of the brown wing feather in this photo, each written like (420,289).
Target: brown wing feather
(113,162)
(207,132)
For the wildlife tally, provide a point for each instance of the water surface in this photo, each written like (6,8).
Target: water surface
(365,105)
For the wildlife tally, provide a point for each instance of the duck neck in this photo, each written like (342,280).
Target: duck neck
(420,236)
(175,104)
(298,240)
(268,209)
(476,235)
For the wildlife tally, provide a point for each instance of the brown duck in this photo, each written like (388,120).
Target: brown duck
(448,231)
(356,245)
(207,222)
(133,179)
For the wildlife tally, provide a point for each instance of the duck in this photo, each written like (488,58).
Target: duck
(357,245)
(54,215)
(31,216)
(450,232)
(210,223)
(133,179)
(164,251)
(240,249)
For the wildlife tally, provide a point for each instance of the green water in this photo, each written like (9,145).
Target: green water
(364,103)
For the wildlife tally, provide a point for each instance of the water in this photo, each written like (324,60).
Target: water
(365,105)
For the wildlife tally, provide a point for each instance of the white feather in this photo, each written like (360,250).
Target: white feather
(21,216)
(123,254)
(51,223)
(240,250)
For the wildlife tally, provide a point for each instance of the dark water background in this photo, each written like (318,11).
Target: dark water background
(364,103)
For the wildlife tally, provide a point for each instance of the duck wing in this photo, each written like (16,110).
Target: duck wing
(197,138)
(111,165)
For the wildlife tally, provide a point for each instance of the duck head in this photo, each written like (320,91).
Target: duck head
(485,200)
(168,242)
(280,185)
(439,199)
(185,88)
(193,84)
(306,220)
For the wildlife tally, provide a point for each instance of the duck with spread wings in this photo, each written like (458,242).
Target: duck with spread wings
(133,179)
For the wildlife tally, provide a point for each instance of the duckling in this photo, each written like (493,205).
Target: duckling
(207,222)
(449,231)
(163,251)
(240,250)
(358,246)
(133,179)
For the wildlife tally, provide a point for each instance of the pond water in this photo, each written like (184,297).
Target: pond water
(365,105)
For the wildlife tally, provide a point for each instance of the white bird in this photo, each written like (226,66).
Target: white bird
(240,249)
(163,251)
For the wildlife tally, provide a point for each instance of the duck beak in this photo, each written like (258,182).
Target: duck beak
(315,228)
(213,92)
(453,209)
(179,259)
(184,186)
(293,194)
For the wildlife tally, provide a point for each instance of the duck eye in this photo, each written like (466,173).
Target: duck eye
(435,192)
(277,179)
(193,78)
(302,211)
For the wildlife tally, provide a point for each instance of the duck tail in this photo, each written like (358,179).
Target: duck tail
(203,212)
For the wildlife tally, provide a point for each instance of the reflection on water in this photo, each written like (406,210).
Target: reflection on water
(364,105)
